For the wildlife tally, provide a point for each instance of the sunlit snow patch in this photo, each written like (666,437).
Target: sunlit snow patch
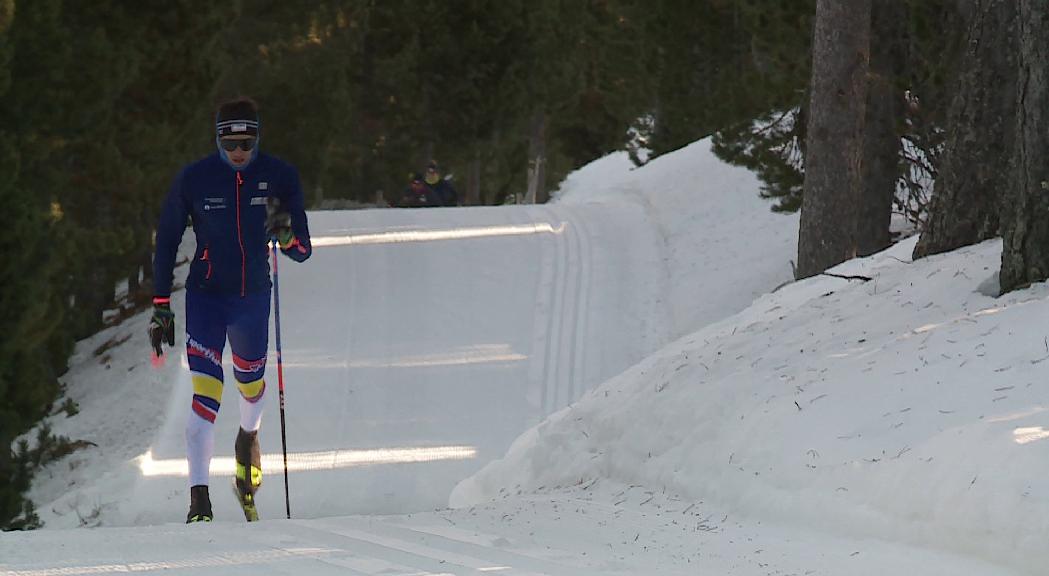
(481,354)
(399,236)
(1031,434)
(313,461)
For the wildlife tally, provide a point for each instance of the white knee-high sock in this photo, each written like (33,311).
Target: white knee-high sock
(200,445)
(251,412)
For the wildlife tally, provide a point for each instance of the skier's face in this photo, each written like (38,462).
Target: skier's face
(432,176)
(238,156)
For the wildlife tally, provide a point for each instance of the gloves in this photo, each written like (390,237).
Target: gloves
(279,226)
(278,223)
(162,326)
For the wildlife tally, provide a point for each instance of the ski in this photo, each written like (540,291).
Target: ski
(247,504)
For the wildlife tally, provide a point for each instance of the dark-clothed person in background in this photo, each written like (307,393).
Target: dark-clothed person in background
(441,188)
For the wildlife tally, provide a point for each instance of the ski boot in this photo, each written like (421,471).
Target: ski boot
(248,476)
(199,505)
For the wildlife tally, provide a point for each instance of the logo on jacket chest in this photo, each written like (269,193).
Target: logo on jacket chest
(214,203)
(261,200)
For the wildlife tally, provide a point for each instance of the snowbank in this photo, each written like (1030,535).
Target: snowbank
(724,246)
(911,408)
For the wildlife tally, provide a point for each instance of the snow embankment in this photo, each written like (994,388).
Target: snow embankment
(910,408)
(723,245)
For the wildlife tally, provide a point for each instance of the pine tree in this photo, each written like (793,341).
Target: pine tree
(1025,230)
(32,346)
(834,151)
(762,119)
(981,136)
(881,144)
(81,166)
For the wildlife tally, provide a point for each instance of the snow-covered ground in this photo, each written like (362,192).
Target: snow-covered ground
(722,246)
(908,408)
(830,427)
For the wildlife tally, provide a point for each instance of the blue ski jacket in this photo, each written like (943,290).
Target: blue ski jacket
(228,211)
(444,193)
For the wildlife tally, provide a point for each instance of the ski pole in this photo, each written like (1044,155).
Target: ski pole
(280,378)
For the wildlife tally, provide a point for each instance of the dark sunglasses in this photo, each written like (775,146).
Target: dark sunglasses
(246,144)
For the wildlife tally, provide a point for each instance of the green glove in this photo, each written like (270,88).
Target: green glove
(278,223)
(162,326)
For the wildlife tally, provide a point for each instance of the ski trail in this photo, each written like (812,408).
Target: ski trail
(545,297)
(581,375)
(441,335)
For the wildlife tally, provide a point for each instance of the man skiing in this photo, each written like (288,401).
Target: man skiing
(237,199)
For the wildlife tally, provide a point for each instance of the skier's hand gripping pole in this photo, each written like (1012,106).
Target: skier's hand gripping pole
(278,223)
(161,329)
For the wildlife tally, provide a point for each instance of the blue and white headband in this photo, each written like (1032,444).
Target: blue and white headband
(236,128)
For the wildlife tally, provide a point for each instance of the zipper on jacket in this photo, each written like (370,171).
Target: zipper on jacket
(204,258)
(240,239)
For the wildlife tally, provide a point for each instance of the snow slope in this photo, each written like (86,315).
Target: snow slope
(802,434)
(909,408)
(722,246)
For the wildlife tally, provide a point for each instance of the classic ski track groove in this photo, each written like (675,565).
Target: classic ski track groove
(448,551)
(539,366)
(575,270)
(579,364)
(552,357)
(569,320)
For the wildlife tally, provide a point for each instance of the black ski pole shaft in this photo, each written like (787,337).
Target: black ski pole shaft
(280,379)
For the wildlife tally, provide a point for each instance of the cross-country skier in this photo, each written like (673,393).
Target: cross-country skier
(228,290)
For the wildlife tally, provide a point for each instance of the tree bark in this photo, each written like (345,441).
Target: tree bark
(834,151)
(473,181)
(92,294)
(881,146)
(537,160)
(1025,226)
(982,134)
(134,285)
(427,155)
(145,261)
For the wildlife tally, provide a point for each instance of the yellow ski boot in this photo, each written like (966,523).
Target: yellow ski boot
(248,476)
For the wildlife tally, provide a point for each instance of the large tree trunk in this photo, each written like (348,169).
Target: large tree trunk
(134,285)
(1025,227)
(145,261)
(881,139)
(537,160)
(834,151)
(92,295)
(473,180)
(427,155)
(982,133)
(429,129)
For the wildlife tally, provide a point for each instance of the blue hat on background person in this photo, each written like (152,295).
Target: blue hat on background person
(237,132)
